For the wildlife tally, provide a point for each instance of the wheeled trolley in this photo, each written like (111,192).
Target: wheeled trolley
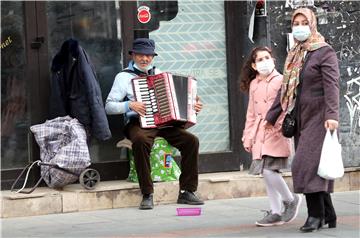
(88,178)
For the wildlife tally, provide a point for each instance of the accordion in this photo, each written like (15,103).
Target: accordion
(169,100)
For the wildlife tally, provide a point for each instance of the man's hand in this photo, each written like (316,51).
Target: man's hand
(198,105)
(331,124)
(138,107)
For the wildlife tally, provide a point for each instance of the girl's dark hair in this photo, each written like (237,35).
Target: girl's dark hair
(248,73)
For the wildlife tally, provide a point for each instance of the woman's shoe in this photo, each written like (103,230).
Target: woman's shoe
(311,224)
(331,223)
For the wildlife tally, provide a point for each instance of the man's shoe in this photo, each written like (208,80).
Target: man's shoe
(147,202)
(190,198)
(270,219)
(311,224)
(291,208)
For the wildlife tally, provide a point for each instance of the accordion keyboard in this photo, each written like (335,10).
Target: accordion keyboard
(147,96)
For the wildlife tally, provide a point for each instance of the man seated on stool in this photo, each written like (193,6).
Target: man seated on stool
(121,100)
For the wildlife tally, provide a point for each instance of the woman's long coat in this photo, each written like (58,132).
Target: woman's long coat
(318,102)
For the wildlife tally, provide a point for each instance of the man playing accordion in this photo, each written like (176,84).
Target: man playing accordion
(121,100)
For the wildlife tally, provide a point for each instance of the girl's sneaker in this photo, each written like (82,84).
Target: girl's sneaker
(291,208)
(270,219)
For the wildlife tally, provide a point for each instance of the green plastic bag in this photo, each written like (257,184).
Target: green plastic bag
(163,165)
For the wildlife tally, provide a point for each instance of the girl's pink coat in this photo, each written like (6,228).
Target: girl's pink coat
(264,142)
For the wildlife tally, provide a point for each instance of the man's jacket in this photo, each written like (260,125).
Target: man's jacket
(75,90)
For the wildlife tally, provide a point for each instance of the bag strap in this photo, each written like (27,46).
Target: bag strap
(131,72)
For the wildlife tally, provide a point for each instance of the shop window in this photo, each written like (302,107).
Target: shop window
(14,99)
(193,43)
(97,27)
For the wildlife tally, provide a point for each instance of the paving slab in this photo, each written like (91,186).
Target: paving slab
(220,218)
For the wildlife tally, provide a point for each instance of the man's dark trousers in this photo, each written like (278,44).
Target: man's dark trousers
(142,141)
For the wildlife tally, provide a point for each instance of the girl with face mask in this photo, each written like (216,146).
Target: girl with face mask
(269,149)
(311,86)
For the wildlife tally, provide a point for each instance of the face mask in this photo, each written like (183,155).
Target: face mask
(143,69)
(265,67)
(301,33)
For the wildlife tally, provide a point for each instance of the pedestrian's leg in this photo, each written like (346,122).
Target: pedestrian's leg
(273,217)
(273,194)
(330,214)
(142,141)
(278,182)
(316,211)
(315,205)
(291,201)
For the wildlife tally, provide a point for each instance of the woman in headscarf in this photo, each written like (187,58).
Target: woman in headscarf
(311,87)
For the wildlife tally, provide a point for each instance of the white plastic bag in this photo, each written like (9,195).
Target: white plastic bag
(331,165)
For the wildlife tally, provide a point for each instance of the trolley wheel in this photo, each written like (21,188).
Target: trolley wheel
(89,178)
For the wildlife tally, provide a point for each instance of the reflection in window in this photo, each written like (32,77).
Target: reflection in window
(96,25)
(14,116)
(194,43)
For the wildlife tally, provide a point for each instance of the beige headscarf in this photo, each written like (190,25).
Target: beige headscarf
(295,59)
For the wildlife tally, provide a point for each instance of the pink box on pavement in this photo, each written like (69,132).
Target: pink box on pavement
(188,211)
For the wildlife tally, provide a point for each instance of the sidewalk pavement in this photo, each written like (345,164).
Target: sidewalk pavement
(219,218)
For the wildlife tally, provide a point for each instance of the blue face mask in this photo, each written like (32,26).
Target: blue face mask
(142,69)
(301,33)
(265,67)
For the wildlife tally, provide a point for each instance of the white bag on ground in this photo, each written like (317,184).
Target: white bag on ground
(331,165)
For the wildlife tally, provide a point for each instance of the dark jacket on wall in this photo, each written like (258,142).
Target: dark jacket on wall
(75,90)
(318,102)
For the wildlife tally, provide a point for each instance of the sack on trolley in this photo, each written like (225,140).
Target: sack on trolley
(64,154)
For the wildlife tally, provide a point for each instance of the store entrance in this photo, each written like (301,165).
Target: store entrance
(32,34)
(193,38)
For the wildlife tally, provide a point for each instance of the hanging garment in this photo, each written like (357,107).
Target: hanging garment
(75,90)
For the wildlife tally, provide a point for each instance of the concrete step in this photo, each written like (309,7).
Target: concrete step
(117,194)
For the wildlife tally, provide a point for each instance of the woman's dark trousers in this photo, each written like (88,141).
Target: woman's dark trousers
(319,205)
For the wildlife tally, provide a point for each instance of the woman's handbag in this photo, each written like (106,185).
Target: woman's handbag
(289,124)
(331,164)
